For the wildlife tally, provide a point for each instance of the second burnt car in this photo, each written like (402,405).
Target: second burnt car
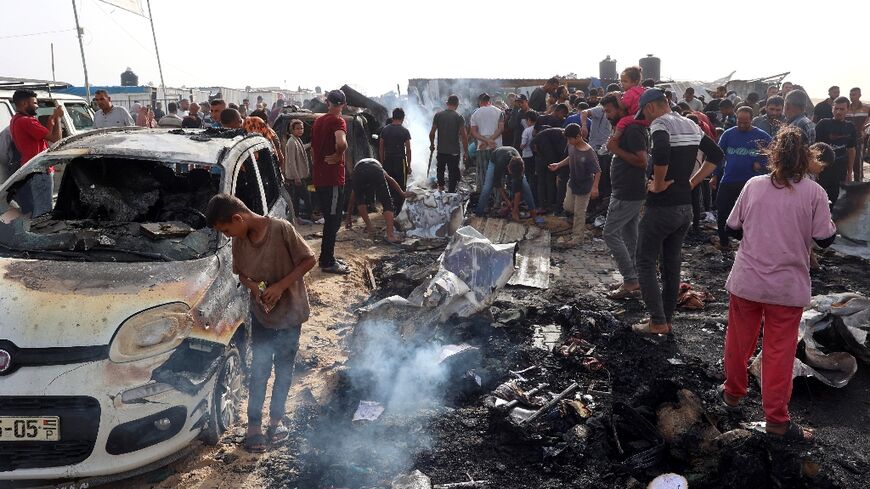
(122,326)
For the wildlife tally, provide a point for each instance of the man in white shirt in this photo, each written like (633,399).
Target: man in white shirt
(487,124)
(171,119)
(110,115)
(694,104)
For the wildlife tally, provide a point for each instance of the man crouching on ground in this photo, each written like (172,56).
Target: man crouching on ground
(271,260)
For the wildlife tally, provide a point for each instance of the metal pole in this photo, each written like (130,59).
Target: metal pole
(53,77)
(82,48)
(157,51)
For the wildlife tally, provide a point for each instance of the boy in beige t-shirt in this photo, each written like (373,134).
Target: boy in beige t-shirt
(271,260)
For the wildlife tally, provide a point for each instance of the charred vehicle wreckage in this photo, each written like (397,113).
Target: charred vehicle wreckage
(123,328)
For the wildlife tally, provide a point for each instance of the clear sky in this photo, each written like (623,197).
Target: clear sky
(375,45)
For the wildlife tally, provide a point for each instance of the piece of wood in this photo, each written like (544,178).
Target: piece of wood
(371,277)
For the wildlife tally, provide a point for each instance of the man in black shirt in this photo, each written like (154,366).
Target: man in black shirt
(825,109)
(538,100)
(560,113)
(452,142)
(549,146)
(675,144)
(369,177)
(842,136)
(628,191)
(395,153)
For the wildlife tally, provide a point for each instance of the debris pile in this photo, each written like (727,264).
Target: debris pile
(831,340)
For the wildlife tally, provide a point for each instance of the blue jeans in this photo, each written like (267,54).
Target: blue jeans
(528,196)
(487,189)
(270,347)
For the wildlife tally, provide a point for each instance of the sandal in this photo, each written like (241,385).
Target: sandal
(621,293)
(645,328)
(277,434)
(336,268)
(720,390)
(255,443)
(795,433)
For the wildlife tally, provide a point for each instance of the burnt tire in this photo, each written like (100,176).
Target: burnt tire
(226,399)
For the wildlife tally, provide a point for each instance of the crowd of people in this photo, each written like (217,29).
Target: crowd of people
(770,168)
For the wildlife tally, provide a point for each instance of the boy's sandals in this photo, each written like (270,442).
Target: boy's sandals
(644,328)
(794,433)
(277,434)
(720,390)
(255,443)
(621,293)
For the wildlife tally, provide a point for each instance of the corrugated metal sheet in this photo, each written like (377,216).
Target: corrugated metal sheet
(533,254)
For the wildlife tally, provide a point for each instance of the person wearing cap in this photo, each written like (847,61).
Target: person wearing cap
(668,215)
(449,125)
(487,124)
(328,145)
(515,121)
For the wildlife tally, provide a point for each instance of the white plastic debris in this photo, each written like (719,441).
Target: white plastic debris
(669,481)
(368,411)
(414,480)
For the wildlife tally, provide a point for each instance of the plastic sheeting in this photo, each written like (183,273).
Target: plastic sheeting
(471,271)
(831,339)
(431,214)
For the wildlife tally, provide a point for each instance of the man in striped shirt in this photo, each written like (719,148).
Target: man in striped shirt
(675,144)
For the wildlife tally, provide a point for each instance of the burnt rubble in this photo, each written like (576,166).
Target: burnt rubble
(593,406)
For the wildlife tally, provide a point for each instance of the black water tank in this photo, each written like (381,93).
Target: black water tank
(607,69)
(129,79)
(652,67)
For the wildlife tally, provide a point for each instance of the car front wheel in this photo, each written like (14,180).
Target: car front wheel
(226,398)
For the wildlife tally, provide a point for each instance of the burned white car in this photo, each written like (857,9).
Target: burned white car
(122,327)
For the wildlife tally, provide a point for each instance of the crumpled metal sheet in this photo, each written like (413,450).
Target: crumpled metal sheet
(471,271)
(533,252)
(431,214)
(832,337)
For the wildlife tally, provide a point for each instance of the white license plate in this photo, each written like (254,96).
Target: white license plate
(15,428)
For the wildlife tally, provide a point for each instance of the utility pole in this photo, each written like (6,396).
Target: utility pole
(79,31)
(157,51)
(53,78)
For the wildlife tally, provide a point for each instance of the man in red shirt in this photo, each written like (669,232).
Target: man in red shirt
(328,145)
(31,138)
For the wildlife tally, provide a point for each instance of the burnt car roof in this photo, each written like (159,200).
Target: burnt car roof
(188,145)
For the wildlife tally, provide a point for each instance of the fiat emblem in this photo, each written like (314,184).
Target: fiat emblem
(5,360)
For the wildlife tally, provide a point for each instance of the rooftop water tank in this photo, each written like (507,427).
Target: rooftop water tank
(129,79)
(607,70)
(652,67)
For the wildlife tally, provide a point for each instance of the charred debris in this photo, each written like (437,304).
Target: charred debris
(532,389)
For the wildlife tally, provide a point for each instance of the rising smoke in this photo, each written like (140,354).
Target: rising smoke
(408,380)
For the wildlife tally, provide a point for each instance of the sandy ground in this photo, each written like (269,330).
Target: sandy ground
(332,297)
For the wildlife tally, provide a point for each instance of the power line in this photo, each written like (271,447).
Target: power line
(35,34)
(133,38)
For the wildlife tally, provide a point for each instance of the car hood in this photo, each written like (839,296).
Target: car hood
(61,303)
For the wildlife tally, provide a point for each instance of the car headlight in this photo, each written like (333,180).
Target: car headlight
(151,332)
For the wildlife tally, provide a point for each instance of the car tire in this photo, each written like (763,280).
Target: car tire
(226,399)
